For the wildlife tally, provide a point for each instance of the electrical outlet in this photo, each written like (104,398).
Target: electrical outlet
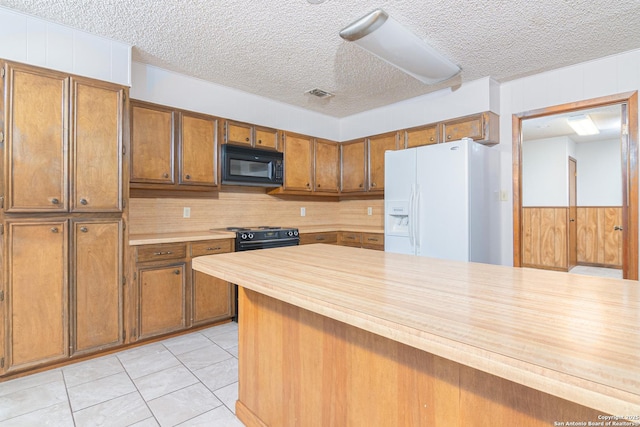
(369,211)
(186,213)
(303,211)
(503,195)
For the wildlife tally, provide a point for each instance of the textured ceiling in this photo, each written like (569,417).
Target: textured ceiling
(280,49)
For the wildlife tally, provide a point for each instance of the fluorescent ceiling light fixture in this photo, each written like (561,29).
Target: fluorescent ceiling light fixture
(583,125)
(387,39)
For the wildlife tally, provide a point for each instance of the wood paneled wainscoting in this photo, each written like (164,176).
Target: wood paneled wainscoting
(599,242)
(545,237)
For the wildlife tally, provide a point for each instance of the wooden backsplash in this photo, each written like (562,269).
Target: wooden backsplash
(248,207)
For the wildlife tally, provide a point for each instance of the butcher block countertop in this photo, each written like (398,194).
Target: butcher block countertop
(192,236)
(575,337)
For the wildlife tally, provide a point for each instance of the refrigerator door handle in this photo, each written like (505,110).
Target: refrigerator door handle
(416,215)
(411,218)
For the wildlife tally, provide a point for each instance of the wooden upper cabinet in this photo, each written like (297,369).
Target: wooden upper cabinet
(425,135)
(327,166)
(238,133)
(96,283)
(96,146)
(198,150)
(37,139)
(152,144)
(482,128)
(353,166)
(298,161)
(266,138)
(253,136)
(377,146)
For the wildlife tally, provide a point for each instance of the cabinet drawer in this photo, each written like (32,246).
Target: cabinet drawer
(308,238)
(161,252)
(373,241)
(210,247)
(350,239)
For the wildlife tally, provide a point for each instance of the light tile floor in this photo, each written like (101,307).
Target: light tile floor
(190,380)
(597,271)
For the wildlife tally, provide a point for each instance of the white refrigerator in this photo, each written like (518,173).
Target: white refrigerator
(442,201)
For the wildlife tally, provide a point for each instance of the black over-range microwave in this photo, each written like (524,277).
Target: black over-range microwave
(248,166)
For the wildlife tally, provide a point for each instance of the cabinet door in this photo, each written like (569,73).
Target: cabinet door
(152,144)
(237,133)
(266,138)
(327,162)
(421,136)
(37,307)
(161,299)
(467,127)
(353,166)
(37,139)
(96,298)
(96,144)
(377,146)
(298,158)
(212,299)
(198,151)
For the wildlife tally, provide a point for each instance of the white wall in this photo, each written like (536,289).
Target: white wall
(469,98)
(38,42)
(545,172)
(164,87)
(599,173)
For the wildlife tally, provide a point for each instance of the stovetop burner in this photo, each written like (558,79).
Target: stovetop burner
(260,227)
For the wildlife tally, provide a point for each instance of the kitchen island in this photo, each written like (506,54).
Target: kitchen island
(345,336)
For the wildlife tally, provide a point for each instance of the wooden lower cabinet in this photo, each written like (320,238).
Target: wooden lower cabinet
(211,298)
(64,290)
(329,237)
(161,299)
(171,296)
(96,288)
(346,238)
(36,298)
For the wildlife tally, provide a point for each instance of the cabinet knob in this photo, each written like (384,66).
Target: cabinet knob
(83,201)
(54,229)
(308,185)
(176,272)
(448,136)
(318,185)
(373,184)
(431,139)
(55,201)
(84,229)
(259,141)
(360,185)
(165,175)
(247,139)
(187,176)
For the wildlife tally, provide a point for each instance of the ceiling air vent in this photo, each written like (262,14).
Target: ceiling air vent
(319,93)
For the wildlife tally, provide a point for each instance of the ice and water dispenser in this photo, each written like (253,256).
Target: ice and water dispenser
(397,218)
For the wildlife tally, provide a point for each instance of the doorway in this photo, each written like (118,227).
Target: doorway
(553,241)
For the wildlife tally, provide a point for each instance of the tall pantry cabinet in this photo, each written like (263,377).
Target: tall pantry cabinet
(63,216)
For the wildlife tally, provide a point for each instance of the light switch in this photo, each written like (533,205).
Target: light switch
(303,211)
